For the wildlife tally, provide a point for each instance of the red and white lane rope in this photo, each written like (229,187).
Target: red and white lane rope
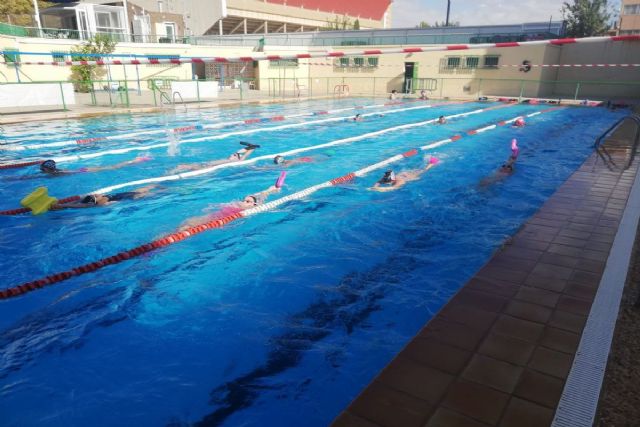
(218,223)
(77,157)
(191,128)
(337,54)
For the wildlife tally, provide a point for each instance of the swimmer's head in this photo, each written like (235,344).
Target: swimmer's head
(506,168)
(48,166)
(358,117)
(250,201)
(388,177)
(278,160)
(89,199)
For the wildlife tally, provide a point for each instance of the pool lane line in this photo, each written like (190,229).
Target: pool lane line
(204,171)
(190,128)
(220,222)
(76,157)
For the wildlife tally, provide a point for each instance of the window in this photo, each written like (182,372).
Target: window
(453,62)
(11,56)
(491,61)
(631,9)
(283,63)
(343,62)
(472,61)
(358,62)
(372,61)
(170,31)
(59,56)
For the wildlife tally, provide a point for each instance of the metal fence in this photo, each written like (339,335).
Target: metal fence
(160,92)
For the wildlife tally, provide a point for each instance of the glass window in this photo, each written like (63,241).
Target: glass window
(631,9)
(372,61)
(358,62)
(286,63)
(343,62)
(453,62)
(103,19)
(491,61)
(472,61)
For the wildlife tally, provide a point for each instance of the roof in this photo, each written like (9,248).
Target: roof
(370,9)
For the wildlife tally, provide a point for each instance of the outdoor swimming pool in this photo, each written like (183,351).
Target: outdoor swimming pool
(276,319)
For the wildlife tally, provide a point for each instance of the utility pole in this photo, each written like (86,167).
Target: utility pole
(448,9)
(37,16)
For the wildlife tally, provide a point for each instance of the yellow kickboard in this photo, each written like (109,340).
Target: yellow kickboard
(39,201)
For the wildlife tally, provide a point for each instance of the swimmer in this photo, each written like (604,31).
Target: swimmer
(250,201)
(94,200)
(358,118)
(238,156)
(49,167)
(394,95)
(506,169)
(391,181)
(423,95)
(281,161)
(519,123)
(442,120)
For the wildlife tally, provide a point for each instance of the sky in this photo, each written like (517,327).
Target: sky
(409,13)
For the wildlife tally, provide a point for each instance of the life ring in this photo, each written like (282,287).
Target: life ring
(526,66)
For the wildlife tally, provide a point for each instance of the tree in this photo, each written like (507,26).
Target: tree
(356,25)
(339,23)
(19,12)
(586,18)
(423,24)
(82,75)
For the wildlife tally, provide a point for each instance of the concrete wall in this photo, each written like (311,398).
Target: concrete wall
(320,76)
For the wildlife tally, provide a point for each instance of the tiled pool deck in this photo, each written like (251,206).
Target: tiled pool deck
(498,354)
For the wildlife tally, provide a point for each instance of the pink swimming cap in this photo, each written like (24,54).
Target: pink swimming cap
(434,161)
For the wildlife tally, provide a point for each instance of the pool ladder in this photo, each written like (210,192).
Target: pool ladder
(181,100)
(602,151)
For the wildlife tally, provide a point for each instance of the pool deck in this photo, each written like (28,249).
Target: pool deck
(499,352)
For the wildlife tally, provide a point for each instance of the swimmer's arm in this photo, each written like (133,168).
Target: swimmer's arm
(73,205)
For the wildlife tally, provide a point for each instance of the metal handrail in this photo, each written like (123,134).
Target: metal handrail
(602,151)
(181,99)
(164,95)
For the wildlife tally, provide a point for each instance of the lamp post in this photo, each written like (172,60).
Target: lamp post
(448,9)
(37,16)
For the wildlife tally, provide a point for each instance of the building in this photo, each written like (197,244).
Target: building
(629,17)
(173,19)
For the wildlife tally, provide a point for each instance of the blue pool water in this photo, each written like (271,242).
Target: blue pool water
(276,319)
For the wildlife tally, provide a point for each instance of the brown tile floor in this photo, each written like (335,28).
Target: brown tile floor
(499,352)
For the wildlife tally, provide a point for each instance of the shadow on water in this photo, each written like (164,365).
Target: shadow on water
(344,307)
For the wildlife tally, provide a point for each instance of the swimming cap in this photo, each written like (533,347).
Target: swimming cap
(388,177)
(89,200)
(48,165)
(278,159)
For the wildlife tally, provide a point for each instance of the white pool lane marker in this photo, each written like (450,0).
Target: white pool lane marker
(579,400)
(90,140)
(205,171)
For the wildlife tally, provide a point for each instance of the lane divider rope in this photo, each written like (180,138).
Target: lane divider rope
(220,222)
(204,171)
(77,157)
(190,128)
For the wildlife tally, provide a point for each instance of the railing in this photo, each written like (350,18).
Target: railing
(181,99)
(602,151)
(73,34)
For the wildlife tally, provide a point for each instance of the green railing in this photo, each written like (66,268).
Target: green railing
(72,34)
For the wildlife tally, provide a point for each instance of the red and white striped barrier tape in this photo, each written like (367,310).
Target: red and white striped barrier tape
(219,223)
(338,54)
(335,65)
